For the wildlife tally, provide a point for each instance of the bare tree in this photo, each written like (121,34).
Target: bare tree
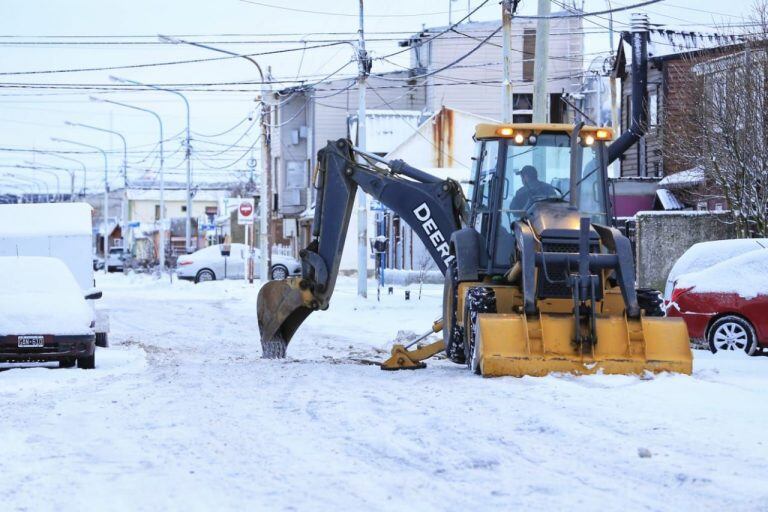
(719,126)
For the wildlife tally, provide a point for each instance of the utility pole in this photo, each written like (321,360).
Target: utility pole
(507,10)
(364,67)
(265,203)
(541,64)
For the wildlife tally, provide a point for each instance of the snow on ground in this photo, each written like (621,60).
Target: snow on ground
(182,414)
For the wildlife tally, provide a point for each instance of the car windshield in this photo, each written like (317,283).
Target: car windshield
(542,171)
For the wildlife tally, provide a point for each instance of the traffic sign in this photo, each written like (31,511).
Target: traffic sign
(245,212)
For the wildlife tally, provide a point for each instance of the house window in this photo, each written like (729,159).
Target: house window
(522,106)
(653,107)
(157,212)
(529,50)
(183,208)
(701,206)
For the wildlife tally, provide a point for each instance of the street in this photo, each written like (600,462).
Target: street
(181,413)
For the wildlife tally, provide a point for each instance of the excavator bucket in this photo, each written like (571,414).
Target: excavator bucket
(281,307)
(537,345)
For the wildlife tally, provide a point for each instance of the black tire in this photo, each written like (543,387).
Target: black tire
(273,349)
(278,273)
(731,332)
(102,340)
(67,363)
(205,274)
(453,334)
(478,300)
(87,362)
(650,301)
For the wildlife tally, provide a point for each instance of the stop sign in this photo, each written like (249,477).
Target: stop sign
(246,209)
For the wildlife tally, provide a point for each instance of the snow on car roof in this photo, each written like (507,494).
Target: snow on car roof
(36,274)
(45,219)
(744,275)
(706,254)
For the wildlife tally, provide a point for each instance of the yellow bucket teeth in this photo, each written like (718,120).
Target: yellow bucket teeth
(516,345)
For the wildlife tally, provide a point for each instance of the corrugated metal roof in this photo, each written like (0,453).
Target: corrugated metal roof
(668,200)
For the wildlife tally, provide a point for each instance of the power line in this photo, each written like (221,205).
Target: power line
(327,13)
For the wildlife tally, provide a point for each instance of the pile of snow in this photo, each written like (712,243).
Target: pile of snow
(45,219)
(40,296)
(705,254)
(745,275)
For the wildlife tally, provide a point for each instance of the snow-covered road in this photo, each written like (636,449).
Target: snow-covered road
(182,414)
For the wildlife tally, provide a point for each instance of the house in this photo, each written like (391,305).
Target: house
(672,56)
(646,169)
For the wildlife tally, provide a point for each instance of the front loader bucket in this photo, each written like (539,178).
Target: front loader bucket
(537,345)
(281,307)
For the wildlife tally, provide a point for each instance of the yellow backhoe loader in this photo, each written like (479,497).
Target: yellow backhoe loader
(536,279)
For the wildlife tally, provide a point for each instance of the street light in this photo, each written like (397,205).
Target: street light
(36,165)
(85,170)
(162,165)
(29,181)
(123,211)
(188,223)
(57,197)
(265,206)
(106,190)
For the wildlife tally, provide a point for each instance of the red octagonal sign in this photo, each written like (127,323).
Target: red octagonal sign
(246,209)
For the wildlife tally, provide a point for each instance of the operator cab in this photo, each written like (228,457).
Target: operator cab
(522,168)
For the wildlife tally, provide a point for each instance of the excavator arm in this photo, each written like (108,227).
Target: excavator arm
(433,207)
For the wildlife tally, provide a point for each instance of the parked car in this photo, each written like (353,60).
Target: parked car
(227,261)
(705,254)
(44,316)
(727,303)
(116,259)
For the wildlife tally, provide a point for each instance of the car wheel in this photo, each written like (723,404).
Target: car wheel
(67,363)
(279,272)
(101,340)
(87,363)
(205,274)
(731,333)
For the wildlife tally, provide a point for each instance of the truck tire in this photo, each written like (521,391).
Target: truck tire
(650,301)
(478,300)
(87,362)
(102,340)
(453,334)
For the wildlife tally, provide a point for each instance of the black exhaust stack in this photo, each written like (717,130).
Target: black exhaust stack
(639,124)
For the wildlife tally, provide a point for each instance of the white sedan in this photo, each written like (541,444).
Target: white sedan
(227,261)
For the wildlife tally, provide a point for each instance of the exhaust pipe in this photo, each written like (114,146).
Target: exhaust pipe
(639,123)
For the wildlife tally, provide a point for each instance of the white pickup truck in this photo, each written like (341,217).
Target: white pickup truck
(59,230)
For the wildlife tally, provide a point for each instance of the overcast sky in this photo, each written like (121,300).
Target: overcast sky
(30,117)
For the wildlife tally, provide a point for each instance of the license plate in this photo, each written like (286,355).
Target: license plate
(31,341)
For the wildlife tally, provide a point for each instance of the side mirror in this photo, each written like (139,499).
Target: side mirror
(93,294)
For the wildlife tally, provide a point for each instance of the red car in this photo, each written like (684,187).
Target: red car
(727,303)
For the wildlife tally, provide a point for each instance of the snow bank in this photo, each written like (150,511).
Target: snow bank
(409,277)
(706,254)
(746,275)
(40,296)
(42,219)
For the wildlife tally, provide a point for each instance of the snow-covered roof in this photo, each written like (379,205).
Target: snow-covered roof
(45,219)
(744,275)
(153,194)
(666,41)
(693,176)
(668,200)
